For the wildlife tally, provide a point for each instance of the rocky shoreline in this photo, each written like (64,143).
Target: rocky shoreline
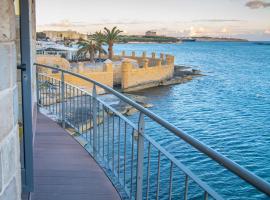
(182,74)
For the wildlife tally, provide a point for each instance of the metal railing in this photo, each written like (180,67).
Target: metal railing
(132,159)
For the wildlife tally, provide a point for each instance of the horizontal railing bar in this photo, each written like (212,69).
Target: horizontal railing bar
(180,165)
(243,173)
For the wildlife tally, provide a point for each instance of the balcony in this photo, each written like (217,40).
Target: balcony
(96,139)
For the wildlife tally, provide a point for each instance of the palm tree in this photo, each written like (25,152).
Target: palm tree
(100,39)
(87,46)
(111,37)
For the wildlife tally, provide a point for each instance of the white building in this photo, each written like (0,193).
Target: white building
(52,48)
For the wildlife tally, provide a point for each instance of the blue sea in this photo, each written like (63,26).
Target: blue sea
(228,109)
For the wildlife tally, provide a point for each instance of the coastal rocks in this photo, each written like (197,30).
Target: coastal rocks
(123,107)
(185,71)
(129,110)
(182,74)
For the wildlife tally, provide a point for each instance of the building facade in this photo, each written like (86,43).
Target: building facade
(150,33)
(61,35)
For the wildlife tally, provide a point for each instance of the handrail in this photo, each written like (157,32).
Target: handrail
(243,173)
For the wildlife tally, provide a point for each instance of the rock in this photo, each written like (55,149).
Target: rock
(137,98)
(148,105)
(131,111)
(196,72)
(123,107)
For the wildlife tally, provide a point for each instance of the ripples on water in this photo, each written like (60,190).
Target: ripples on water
(228,109)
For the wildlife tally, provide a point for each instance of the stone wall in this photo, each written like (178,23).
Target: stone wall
(151,72)
(52,60)
(132,72)
(105,77)
(10,179)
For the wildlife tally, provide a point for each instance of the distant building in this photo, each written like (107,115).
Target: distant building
(150,33)
(61,35)
(52,48)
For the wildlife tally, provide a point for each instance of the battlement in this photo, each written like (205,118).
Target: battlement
(149,72)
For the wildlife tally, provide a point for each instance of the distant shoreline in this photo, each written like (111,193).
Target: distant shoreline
(216,39)
(183,42)
(137,39)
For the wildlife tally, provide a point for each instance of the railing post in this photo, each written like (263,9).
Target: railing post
(63,111)
(37,87)
(140,148)
(94,114)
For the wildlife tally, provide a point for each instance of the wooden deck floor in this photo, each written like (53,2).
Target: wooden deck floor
(63,170)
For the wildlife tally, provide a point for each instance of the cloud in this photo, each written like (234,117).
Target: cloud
(217,20)
(267,32)
(65,24)
(256,4)
(69,24)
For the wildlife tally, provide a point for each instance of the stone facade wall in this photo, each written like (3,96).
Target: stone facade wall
(10,179)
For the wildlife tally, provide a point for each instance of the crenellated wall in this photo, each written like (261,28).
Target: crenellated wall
(152,60)
(132,72)
(151,72)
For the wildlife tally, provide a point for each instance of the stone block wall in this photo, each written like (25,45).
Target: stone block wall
(148,75)
(10,179)
(52,60)
(104,77)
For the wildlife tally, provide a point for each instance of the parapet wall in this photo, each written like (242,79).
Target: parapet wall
(151,71)
(152,60)
(53,60)
(104,76)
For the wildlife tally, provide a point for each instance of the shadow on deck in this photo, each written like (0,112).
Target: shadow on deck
(63,169)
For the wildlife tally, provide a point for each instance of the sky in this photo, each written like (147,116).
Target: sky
(249,19)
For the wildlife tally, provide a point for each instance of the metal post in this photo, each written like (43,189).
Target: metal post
(94,113)
(26,59)
(63,99)
(140,149)
(37,87)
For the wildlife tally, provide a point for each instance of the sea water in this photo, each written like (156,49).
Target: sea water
(228,109)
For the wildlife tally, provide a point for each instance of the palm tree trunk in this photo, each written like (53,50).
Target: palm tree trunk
(99,54)
(110,50)
(92,55)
